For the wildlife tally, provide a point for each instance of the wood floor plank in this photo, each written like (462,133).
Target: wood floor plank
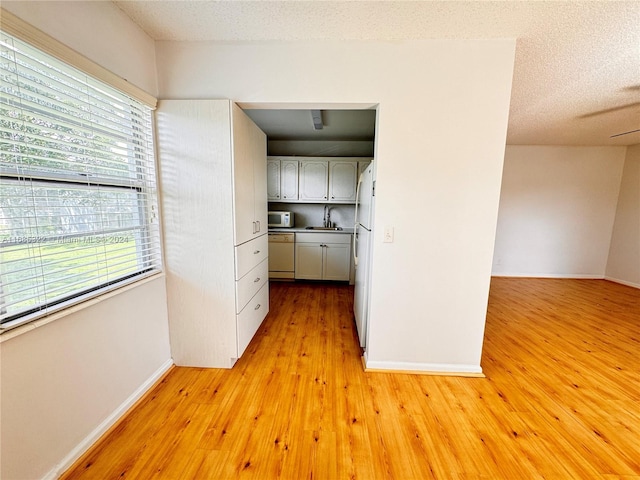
(561,399)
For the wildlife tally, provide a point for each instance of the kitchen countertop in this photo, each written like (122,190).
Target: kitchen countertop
(304,230)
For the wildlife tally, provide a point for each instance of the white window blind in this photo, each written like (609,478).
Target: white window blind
(77,186)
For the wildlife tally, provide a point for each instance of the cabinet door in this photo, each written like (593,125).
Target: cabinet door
(362,166)
(336,261)
(309,261)
(342,181)
(260,202)
(249,177)
(273,180)
(314,176)
(289,180)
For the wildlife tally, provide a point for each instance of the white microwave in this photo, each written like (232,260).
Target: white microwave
(280,219)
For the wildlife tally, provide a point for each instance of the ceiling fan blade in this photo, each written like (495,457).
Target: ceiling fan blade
(625,133)
(610,110)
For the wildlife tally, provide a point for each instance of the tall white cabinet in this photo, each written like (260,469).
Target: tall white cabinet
(213,173)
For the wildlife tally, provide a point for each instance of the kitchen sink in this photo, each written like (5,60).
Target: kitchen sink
(333,229)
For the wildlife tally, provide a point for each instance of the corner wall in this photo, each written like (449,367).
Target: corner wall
(557,209)
(623,265)
(64,382)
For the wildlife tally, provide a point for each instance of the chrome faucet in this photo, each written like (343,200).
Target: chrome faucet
(326,221)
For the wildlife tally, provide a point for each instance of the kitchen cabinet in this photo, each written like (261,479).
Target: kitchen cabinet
(314,178)
(252,289)
(273,179)
(362,166)
(289,180)
(342,181)
(323,256)
(212,164)
(249,178)
(282,179)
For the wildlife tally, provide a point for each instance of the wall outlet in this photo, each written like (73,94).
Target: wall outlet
(388,235)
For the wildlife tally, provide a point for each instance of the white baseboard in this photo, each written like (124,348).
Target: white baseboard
(423,368)
(585,276)
(623,282)
(101,429)
(567,275)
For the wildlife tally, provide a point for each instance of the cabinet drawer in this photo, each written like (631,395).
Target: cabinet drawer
(249,285)
(251,316)
(250,254)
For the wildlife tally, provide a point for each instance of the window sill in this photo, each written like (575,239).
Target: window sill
(43,319)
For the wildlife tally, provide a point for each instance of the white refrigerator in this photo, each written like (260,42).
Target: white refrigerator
(362,238)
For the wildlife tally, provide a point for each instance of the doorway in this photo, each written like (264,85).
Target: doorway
(335,133)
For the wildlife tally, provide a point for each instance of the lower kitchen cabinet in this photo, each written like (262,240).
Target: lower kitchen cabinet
(336,262)
(323,256)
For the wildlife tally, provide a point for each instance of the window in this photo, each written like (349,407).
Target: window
(78,210)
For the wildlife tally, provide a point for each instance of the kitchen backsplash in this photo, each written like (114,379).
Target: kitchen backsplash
(311,214)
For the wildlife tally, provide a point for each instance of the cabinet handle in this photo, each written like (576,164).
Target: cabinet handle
(333,196)
(256,252)
(257,307)
(256,280)
(258,229)
(254,227)
(284,196)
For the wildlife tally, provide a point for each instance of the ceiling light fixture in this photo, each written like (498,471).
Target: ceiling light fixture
(316,117)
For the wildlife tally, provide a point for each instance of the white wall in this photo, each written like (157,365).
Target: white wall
(624,255)
(98,30)
(443,108)
(557,208)
(61,381)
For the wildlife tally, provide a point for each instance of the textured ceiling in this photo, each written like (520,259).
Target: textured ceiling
(577,69)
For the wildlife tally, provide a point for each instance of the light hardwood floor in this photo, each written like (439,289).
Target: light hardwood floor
(561,399)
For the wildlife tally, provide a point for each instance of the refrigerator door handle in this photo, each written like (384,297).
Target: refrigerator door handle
(355,248)
(355,227)
(358,198)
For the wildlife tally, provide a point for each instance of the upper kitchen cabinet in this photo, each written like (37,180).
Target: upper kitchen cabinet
(273,179)
(314,175)
(289,180)
(362,166)
(314,179)
(212,164)
(282,179)
(249,177)
(342,181)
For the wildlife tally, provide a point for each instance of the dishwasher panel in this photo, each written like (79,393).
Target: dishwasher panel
(281,255)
